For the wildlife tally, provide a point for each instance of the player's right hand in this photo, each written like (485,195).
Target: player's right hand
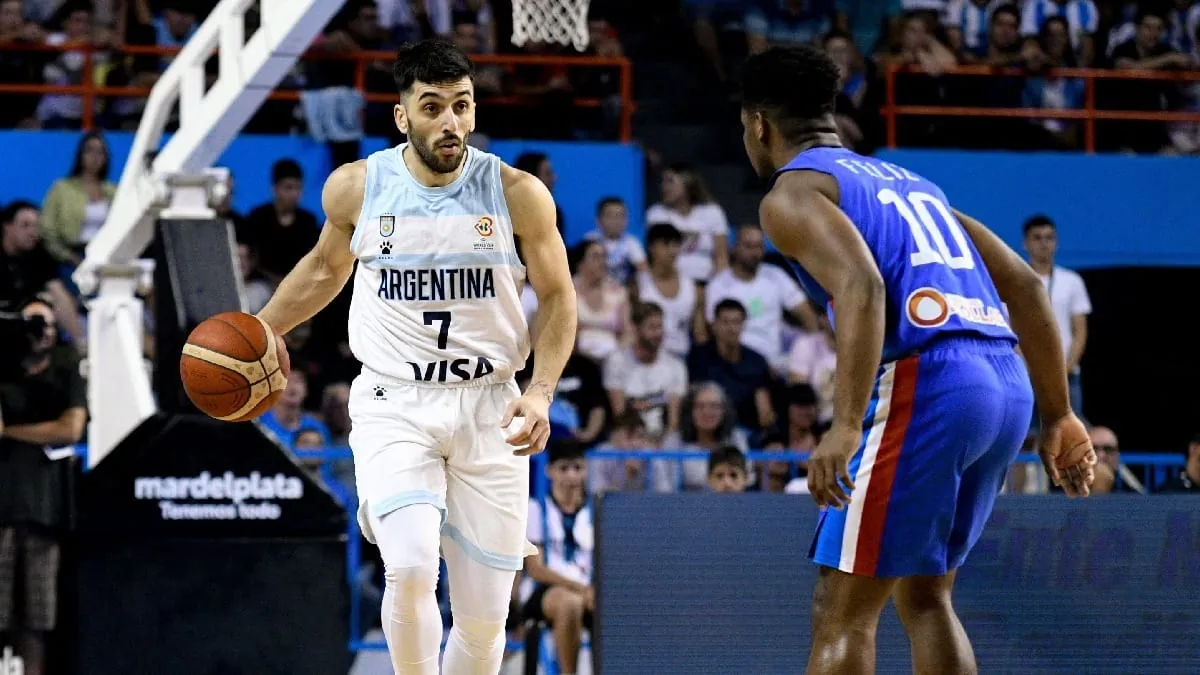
(829,479)
(1067,453)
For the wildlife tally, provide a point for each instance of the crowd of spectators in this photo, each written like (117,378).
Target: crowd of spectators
(35,35)
(691,338)
(863,37)
(1030,36)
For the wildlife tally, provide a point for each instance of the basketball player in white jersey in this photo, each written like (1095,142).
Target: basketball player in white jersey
(440,432)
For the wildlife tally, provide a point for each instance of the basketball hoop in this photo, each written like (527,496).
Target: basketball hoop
(562,22)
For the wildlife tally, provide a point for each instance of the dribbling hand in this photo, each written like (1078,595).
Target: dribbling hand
(1068,456)
(829,479)
(534,407)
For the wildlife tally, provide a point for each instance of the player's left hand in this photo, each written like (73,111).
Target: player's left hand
(829,479)
(1068,455)
(534,407)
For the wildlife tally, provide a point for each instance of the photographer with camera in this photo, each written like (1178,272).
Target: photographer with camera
(27,269)
(43,407)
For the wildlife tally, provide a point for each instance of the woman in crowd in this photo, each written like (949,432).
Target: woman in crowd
(662,284)
(76,206)
(707,423)
(603,303)
(689,206)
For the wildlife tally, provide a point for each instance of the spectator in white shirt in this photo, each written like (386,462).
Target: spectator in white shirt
(812,360)
(678,295)
(688,205)
(257,290)
(625,253)
(1068,297)
(557,587)
(645,377)
(766,291)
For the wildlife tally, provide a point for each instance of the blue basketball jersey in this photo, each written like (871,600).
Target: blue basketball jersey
(937,285)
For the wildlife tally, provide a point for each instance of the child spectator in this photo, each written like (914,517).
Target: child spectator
(727,470)
(624,251)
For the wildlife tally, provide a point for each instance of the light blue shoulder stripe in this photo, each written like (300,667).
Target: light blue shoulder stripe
(369,192)
(399,261)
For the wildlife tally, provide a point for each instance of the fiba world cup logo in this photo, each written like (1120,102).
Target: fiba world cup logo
(484,227)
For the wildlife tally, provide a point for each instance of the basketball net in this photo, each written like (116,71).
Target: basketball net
(561,22)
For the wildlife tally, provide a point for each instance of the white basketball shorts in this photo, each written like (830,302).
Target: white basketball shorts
(442,444)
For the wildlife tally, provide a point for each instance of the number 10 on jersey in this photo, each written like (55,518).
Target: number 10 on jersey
(917,209)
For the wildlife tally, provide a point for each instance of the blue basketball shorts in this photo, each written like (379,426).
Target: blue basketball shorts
(942,430)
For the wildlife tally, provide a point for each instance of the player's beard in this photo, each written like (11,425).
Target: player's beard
(439,163)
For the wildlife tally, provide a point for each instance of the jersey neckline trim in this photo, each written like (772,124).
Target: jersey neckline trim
(468,160)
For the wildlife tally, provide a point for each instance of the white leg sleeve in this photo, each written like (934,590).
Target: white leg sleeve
(408,540)
(479,599)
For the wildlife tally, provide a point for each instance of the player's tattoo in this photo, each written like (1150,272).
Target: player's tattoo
(544,389)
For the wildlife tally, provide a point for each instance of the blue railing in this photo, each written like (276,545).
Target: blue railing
(1155,470)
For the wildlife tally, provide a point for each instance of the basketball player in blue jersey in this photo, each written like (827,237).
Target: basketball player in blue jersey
(931,400)
(440,433)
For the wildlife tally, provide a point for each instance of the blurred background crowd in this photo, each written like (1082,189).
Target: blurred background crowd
(691,49)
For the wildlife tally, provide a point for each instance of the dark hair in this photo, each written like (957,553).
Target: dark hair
(433,61)
(836,34)
(688,432)
(606,202)
(560,449)
(285,169)
(693,183)
(1007,8)
(793,86)
(530,162)
(726,454)
(645,310)
(77,165)
(771,436)
(1057,18)
(579,251)
(629,420)
(1043,37)
(10,212)
(663,232)
(1146,12)
(801,394)
(59,18)
(1040,220)
(739,229)
(182,6)
(727,305)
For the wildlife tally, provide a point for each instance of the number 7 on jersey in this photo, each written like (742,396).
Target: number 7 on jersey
(444,330)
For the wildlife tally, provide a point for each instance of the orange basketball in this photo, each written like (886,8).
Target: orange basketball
(234,366)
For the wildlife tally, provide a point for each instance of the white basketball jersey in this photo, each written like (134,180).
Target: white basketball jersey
(437,293)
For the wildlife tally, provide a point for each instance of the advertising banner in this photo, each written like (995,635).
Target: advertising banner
(720,584)
(187,475)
